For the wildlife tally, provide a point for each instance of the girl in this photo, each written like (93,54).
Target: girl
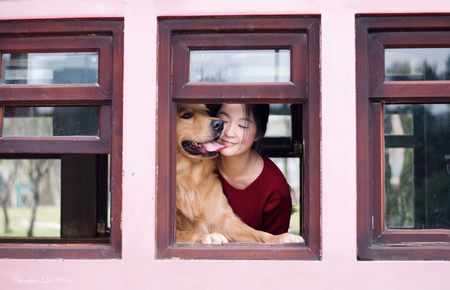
(256,189)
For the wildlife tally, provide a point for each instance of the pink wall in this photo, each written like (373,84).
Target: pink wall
(138,268)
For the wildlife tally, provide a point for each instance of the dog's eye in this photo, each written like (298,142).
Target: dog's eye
(187,115)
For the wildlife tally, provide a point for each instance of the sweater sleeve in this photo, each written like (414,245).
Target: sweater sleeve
(277,212)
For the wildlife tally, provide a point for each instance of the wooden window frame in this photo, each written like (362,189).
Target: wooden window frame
(373,35)
(104,36)
(181,34)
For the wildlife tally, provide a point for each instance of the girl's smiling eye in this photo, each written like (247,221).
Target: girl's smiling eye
(244,125)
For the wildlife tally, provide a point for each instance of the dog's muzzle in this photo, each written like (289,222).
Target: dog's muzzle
(209,148)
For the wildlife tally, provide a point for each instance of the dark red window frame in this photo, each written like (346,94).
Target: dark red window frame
(176,37)
(373,35)
(104,36)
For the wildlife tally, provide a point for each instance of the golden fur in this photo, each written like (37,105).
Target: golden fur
(203,214)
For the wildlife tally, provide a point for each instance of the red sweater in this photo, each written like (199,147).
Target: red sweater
(265,204)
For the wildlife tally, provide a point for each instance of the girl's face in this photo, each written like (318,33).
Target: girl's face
(239,130)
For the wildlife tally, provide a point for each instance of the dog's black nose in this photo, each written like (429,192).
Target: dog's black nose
(217,125)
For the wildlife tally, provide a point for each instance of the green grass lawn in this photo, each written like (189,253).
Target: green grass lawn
(46,225)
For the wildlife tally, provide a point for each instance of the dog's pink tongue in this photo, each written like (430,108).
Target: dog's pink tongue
(213,146)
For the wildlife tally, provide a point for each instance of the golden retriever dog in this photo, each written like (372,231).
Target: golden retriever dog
(203,214)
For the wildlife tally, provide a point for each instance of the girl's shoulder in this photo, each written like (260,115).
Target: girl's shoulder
(272,174)
(269,165)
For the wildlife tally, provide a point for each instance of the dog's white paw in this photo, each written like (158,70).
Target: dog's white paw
(291,238)
(214,239)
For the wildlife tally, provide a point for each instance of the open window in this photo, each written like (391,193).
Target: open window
(60,138)
(273,60)
(403,131)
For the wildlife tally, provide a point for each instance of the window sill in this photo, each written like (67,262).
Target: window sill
(58,249)
(239,251)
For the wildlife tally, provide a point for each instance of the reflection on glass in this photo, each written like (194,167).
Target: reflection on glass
(240,66)
(279,124)
(51,121)
(30,191)
(411,64)
(398,120)
(417,166)
(399,187)
(50,68)
(290,167)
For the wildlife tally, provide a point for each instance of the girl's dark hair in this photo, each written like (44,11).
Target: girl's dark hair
(259,113)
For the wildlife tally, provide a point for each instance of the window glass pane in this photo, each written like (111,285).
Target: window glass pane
(30,191)
(279,124)
(399,187)
(240,66)
(417,169)
(398,120)
(51,121)
(411,64)
(50,68)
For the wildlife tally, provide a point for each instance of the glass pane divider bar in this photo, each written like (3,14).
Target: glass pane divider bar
(56,93)
(16,145)
(1,120)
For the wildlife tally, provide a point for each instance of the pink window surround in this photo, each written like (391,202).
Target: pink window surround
(138,266)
